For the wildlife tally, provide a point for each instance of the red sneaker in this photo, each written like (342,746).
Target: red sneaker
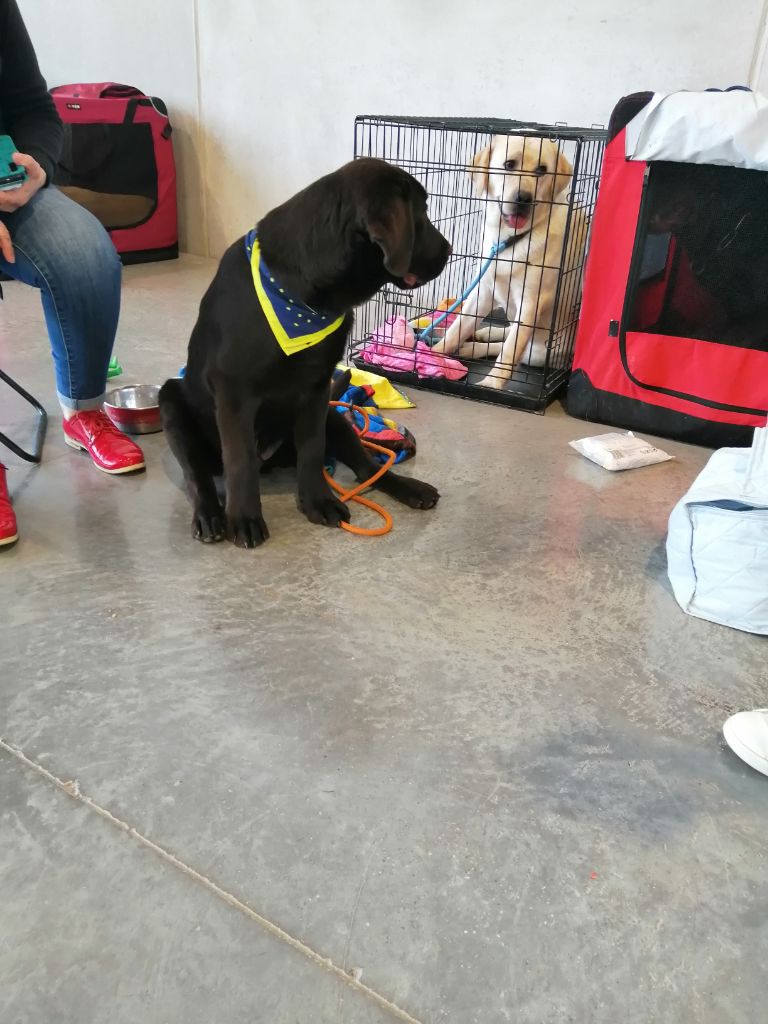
(8,531)
(111,450)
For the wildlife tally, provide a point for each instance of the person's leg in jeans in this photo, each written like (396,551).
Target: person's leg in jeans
(62,250)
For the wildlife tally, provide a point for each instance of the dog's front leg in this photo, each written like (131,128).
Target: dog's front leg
(516,342)
(475,308)
(518,337)
(316,499)
(236,419)
(489,340)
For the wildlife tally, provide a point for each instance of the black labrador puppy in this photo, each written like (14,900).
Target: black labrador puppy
(272,326)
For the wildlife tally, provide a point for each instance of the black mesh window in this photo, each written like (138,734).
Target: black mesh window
(110,169)
(701,265)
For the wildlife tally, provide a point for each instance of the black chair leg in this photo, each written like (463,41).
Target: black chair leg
(42,423)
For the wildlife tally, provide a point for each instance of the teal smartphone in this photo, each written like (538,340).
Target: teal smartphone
(11,175)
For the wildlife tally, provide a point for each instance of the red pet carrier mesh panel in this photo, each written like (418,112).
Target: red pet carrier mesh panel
(673,337)
(118,162)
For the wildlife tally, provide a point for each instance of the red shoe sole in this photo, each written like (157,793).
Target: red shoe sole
(112,472)
(4,541)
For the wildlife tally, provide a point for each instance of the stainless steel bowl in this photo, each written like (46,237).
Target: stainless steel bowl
(134,409)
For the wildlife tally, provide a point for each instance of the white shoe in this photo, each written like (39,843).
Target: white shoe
(747,735)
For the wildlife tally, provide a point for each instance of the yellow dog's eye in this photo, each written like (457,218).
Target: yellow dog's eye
(510,165)
(542,169)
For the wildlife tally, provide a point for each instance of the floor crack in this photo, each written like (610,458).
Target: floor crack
(350,928)
(72,789)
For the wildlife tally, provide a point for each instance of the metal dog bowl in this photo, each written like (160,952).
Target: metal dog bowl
(134,409)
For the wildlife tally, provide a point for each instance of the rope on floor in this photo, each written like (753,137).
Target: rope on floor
(72,789)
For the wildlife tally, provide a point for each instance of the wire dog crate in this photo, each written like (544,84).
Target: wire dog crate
(511,196)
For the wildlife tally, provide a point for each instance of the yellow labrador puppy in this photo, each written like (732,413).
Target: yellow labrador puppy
(524,181)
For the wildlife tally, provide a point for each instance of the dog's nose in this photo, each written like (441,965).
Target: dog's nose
(523,197)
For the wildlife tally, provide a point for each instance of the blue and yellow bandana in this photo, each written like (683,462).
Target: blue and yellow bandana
(295,325)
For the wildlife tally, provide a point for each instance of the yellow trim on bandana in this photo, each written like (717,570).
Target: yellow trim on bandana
(289,344)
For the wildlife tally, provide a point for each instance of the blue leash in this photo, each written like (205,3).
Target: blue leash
(495,250)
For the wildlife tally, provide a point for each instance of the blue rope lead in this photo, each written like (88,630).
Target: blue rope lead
(495,250)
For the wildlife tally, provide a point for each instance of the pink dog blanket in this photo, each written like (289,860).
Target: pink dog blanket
(394,346)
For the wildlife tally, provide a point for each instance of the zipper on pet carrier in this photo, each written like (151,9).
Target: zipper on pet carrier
(629,299)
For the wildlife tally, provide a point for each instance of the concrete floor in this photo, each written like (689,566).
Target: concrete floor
(475,766)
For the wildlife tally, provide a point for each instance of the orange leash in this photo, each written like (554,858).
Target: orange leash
(355,494)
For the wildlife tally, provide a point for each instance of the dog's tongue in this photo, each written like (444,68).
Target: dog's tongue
(411,280)
(516,220)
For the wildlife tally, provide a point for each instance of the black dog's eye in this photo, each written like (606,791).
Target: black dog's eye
(542,169)
(510,165)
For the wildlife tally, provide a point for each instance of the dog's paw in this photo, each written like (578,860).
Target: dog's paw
(415,493)
(208,524)
(492,380)
(324,509)
(247,531)
(491,333)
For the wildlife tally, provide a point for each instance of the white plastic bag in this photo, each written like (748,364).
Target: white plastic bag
(616,451)
(717,544)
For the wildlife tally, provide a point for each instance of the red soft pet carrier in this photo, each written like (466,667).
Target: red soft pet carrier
(118,163)
(673,338)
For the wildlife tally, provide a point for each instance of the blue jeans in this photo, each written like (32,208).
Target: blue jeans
(65,252)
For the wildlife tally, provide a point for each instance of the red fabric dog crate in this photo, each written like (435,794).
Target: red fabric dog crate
(673,337)
(118,163)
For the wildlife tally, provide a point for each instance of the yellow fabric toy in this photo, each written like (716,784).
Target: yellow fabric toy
(385,394)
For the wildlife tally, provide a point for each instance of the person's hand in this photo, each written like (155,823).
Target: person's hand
(13,199)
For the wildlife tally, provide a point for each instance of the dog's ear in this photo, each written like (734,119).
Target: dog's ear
(563,174)
(390,225)
(481,162)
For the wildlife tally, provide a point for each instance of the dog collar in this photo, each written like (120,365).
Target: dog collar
(295,325)
(514,239)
